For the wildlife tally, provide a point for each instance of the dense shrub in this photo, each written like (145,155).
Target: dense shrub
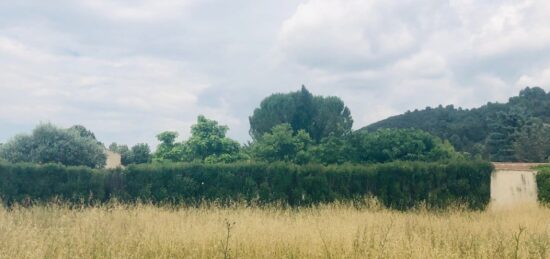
(399,185)
(543,184)
(29,182)
(47,143)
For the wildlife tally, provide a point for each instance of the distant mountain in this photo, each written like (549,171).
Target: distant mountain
(495,131)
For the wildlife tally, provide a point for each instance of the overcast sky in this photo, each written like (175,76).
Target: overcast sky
(129,69)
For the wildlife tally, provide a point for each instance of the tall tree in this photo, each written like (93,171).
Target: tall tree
(168,149)
(504,126)
(282,144)
(318,116)
(532,143)
(50,144)
(141,153)
(208,142)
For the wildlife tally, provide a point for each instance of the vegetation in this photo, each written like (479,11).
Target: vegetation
(207,143)
(138,154)
(498,132)
(543,184)
(318,116)
(297,128)
(400,185)
(328,231)
(50,144)
(282,144)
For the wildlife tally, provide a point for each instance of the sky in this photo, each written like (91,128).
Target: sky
(130,69)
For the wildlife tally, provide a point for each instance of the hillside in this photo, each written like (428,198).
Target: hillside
(512,131)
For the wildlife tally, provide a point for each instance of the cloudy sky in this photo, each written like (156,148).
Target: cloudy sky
(129,69)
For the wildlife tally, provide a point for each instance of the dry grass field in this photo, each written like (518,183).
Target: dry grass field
(330,231)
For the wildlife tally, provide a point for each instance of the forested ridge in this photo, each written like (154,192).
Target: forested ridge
(517,130)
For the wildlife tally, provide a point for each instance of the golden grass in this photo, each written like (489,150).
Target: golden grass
(331,231)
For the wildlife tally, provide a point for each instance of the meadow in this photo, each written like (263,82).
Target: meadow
(328,231)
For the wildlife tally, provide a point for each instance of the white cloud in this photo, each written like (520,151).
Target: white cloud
(138,10)
(346,34)
(409,54)
(141,92)
(130,69)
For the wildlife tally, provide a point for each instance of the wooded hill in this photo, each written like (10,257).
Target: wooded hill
(514,131)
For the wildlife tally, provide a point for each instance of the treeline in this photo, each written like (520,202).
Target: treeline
(399,185)
(301,128)
(295,127)
(514,131)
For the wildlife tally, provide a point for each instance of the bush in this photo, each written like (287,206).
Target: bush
(41,183)
(543,184)
(399,185)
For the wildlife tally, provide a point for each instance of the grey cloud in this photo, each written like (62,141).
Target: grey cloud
(449,52)
(130,69)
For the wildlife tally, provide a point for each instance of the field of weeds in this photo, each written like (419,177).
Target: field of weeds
(330,231)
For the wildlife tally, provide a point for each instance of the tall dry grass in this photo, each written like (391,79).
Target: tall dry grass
(331,231)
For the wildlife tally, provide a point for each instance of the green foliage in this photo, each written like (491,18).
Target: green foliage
(318,116)
(124,151)
(50,144)
(503,128)
(399,185)
(543,184)
(23,183)
(83,132)
(335,150)
(532,142)
(282,144)
(387,145)
(207,143)
(138,154)
(168,150)
(141,154)
(490,131)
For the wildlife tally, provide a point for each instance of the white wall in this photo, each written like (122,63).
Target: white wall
(510,187)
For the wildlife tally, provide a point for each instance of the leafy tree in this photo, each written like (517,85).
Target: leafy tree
(113,147)
(504,126)
(208,142)
(334,150)
(168,149)
(18,149)
(332,118)
(50,144)
(532,143)
(282,144)
(141,154)
(387,145)
(82,131)
(138,154)
(318,116)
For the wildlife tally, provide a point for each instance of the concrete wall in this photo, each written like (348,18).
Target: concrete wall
(113,160)
(513,187)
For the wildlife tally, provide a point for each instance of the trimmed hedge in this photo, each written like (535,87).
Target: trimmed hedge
(399,185)
(543,184)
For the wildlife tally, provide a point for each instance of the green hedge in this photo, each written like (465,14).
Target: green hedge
(543,184)
(399,185)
